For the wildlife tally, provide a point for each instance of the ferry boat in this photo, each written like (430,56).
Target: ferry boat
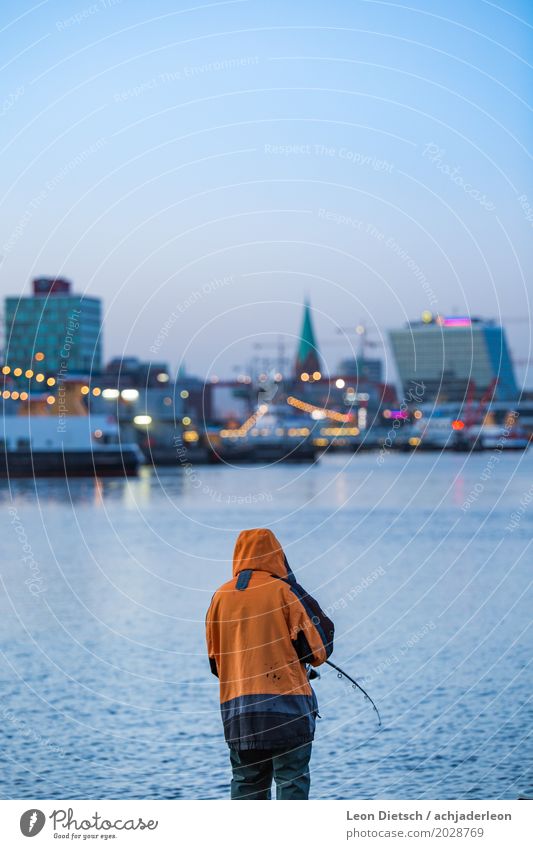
(499,437)
(41,437)
(168,444)
(437,429)
(446,427)
(271,434)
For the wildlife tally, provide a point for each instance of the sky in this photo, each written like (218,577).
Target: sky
(204,167)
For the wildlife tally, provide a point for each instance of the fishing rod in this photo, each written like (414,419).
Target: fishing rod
(342,674)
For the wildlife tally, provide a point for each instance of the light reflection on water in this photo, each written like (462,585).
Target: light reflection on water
(106,690)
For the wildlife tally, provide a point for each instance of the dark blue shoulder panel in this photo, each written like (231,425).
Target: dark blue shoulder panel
(244,579)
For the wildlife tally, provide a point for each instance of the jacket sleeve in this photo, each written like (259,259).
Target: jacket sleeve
(311,630)
(209,636)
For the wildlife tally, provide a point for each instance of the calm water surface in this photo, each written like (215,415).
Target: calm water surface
(425,565)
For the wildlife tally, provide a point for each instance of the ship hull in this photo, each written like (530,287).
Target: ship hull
(264,452)
(69,463)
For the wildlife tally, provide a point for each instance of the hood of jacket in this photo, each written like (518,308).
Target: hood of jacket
(258,549)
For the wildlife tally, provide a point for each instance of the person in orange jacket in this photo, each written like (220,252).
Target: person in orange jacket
(262,629)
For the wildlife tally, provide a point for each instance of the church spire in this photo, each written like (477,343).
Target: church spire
(307,356)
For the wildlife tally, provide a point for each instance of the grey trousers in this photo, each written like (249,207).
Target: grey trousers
(254,769)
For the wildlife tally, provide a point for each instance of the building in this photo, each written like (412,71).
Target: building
(364,368)
(139,387)
(307,357)
(56,323)
(454,357)
(125,372)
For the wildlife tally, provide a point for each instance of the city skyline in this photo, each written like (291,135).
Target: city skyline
(275,154)
(463,352)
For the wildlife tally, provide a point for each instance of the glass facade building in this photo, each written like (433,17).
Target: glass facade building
(65,327)
(454,357)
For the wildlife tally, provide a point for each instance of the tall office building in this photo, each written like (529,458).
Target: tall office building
(53,321)
(453,357)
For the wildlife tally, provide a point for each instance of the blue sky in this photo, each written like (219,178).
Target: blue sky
(373,155)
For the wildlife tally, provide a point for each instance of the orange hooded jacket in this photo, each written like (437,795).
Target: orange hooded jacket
(261,629)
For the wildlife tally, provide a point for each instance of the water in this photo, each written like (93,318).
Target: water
(106,690)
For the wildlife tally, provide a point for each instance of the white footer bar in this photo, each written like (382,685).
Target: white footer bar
(263,825)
